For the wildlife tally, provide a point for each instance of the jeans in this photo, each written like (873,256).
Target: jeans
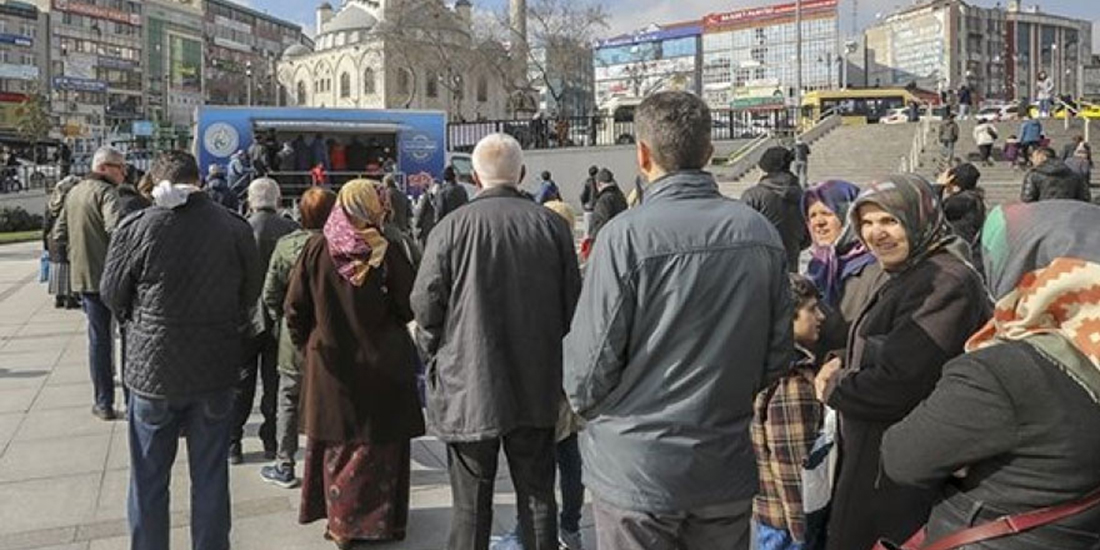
(154,430)
(722,527)
(100,341)
(1044,107)
(949,150)
(286,425)
(770,538)
(261,356)
(473,470)
(569,480)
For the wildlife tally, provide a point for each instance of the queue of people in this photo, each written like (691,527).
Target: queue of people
(685,381)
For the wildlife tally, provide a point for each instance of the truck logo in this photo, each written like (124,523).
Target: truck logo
(221,139)
(420,147)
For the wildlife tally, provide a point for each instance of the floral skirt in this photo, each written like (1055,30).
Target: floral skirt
(362,489)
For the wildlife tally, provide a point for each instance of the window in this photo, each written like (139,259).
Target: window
(431,84)
(368,82)
(302,93)
(482,89)
(403,81)
(345,85)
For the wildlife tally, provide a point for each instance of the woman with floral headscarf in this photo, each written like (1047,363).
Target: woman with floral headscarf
(917,320)
(1014,425)
(347,308)
(841,267)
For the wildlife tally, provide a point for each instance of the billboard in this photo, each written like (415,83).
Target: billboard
(917,47)
(421,135)
(722,21)
(99,12)
(651,34)
(79,84)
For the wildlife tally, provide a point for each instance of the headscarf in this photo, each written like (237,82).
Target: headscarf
(353,231)
(913,201)
(831,265)
(1043,263)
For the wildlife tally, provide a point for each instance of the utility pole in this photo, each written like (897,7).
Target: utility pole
(248,81)
(798,55)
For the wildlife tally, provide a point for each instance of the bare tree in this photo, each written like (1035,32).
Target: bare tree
(424,34)
(557,51)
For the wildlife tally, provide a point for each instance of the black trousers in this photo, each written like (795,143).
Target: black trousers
(473,469)
(986,151)
(261,356)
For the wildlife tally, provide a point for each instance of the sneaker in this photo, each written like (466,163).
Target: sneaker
(570,540)
(280,475)
(235,454)
(104,413)
(507,542)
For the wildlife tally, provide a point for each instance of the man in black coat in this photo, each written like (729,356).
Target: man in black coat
(778,197)
(1052,179)
(183,275)
(450,196)
(494,346)
(610,202)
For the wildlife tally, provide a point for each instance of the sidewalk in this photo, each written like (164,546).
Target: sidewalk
(64,473)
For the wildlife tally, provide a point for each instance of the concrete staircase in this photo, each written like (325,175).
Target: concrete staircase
(859,154)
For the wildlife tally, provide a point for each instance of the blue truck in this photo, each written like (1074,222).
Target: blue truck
(414,141)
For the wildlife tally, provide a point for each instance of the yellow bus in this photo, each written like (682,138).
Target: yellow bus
(865,106)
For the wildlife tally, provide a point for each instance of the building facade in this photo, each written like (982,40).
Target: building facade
(240,42)
(749,55)
(998,52)
(174,62)
(658,57)
(367,56)
(96,53)
(24,59)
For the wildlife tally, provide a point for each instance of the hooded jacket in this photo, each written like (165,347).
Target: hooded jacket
(1054,180)
(778,197)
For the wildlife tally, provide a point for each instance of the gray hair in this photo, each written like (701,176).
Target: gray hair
(676,128)
(264,193)
(107,155)
(498,161)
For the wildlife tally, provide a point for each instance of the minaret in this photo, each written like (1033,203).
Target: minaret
(518,16)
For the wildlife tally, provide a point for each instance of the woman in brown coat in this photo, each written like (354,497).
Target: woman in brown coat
(916,321)
(347,307)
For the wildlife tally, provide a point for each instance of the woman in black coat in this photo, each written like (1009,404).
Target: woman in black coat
(913,324)
(1014,425)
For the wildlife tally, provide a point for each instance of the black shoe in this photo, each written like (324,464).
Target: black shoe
(59,303)
(235,454)
(73,303)
(106,414)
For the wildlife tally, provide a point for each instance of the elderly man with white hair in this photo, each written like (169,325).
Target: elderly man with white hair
(262,347)
(87,219)
(493,299)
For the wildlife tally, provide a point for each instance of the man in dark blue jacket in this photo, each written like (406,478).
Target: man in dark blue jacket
(184,275)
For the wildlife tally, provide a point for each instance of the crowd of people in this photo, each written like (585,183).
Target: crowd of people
(937,362)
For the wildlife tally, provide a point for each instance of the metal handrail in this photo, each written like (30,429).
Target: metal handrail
(910,161)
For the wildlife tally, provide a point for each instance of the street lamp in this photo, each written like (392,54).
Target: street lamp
(248,75)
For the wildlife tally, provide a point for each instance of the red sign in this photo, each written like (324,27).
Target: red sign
(11,97)
(99,12)
(809,7)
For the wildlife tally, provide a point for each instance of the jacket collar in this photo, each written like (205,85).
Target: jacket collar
(682,185)
(95,176)
(500,191)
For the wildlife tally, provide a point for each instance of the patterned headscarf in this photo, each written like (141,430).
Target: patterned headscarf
(353,231)
(1043,263)
(831,265)
(913,201)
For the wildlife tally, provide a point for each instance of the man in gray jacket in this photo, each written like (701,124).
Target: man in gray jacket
(493,298)
(684,316)
(86,221)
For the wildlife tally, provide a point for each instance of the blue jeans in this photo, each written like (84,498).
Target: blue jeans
(770,538)
(99,350)
(155,426)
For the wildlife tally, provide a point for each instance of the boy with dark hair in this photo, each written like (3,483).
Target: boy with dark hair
(786,421)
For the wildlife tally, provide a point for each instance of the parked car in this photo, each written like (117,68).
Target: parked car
(897,115)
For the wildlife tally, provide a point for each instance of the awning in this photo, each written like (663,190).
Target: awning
(307,126)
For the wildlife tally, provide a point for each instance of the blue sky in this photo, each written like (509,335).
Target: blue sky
(631,14)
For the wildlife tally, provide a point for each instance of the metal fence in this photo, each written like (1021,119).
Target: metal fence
(589,131)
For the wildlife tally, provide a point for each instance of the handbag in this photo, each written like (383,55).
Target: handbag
(1003,526)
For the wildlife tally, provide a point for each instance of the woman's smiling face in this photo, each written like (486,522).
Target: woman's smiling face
(825,225)
(884,235)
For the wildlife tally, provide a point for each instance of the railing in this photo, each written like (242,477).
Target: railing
(911,161)
(600,130)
